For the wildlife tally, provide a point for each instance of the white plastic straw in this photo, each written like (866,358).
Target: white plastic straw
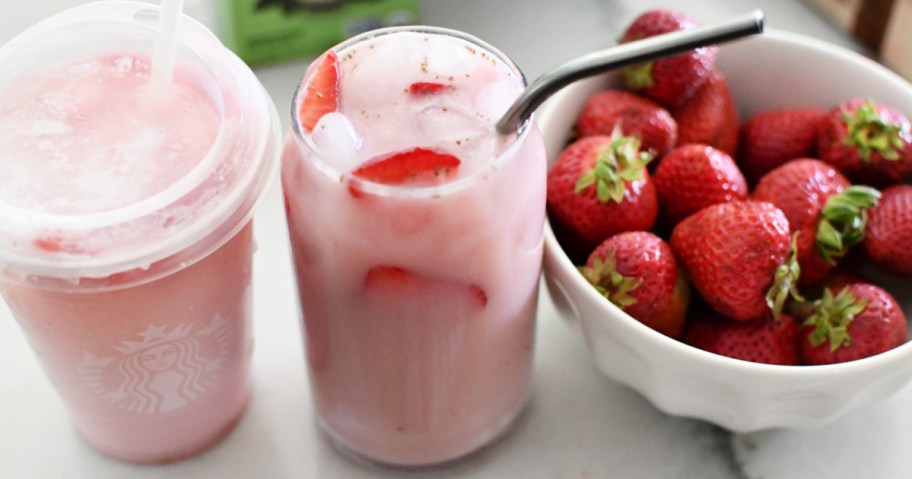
(166,45)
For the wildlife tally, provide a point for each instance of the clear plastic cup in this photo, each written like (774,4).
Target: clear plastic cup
(125,223)
(418,302)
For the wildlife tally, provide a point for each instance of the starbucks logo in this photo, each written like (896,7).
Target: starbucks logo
(159,370)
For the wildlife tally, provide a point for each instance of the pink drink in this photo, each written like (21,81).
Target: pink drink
(125,237)
(418,298)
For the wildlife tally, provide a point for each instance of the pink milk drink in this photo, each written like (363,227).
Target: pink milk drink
(125,223)
(417,238)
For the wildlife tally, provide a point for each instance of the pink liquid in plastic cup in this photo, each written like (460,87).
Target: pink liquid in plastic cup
(417,238)
(125,224)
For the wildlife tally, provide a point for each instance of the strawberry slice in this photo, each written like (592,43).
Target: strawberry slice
(57,244)
(422,88)
(386,275)
(322,94)
(418,166)
(405,290)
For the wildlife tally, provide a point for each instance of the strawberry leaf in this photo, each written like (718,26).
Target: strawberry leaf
(785,281)
(842,221)
(585,181)
(832,317)
(604,276)
(620,163)
(638,77)
(867,131)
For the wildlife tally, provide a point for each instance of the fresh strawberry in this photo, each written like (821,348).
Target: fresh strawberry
(729,138)
(635,115)
(321,95)
(692,177)
(419,89)
(772,137)
(599,187)
(839,280)
(415,167)
(765,340)
(738,256)
(637,272)
(710,117)
(871,143)
(823,209)
(674,80)
(395,284)
(888,237)
(860,321)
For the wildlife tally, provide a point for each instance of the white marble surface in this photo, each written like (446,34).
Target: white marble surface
(579,424)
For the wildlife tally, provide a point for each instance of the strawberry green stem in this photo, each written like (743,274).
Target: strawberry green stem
(622,162)
(606,279)
(868,131)
(842,221)
(638,77)
(832,317)
(785,281)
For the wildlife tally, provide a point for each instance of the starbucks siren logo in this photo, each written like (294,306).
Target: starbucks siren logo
(164,371)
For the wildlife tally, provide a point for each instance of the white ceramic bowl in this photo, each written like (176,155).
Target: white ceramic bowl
(772,70)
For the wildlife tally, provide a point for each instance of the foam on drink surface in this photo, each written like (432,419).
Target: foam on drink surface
(93,135)
(379,116)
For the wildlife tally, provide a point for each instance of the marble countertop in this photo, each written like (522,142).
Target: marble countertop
(579,424)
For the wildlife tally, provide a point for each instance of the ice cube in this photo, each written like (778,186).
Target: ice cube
(337,141)
(492,100)
(449,59)
(380,73)
(442,124)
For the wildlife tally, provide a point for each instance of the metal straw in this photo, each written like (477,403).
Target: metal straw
(623,55)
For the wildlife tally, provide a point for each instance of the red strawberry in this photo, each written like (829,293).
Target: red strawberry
(674,80)
(395,284)
(869,142)
(839,280)
(730,138)
(765,340)
(738,257)
(419,89)
(771,138)
(822,207)
(416,167)
(321,95)
(861,321)
(637,272)
(599,187)
(692,177)
(635,115)
(710,117)
(888,237)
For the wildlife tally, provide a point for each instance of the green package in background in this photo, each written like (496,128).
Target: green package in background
(267,31)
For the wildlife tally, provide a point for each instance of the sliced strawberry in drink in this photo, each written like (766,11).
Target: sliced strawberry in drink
(322,93)
(415,293)
(56,244)
(421,88)
(380,276)
(418,166)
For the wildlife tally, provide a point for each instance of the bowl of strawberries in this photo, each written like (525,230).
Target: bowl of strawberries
(730,229)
